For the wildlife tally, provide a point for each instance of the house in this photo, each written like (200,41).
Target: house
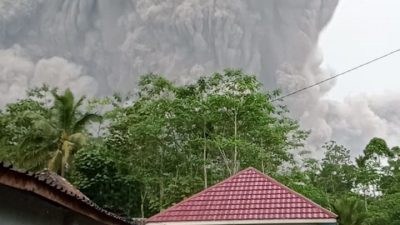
(46,198)
(248,197)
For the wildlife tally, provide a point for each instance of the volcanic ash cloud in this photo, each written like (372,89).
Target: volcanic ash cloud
(96,47)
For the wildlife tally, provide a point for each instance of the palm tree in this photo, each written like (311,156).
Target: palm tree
(71,125)
(61,134)
(351,211)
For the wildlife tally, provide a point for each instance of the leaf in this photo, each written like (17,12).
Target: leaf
(82,122)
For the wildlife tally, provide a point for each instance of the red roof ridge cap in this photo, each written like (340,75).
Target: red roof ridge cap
(203,191)
(294,192)
(155,218)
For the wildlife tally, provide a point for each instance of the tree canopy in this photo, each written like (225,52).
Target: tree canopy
(139,154)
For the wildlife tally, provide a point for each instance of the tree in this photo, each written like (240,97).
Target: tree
(20,125)
(350,211)
(390,179)
(301,180)
(45,128)
(385,210)
(175,134)
(100,173)
(337,171)
(370,169)
(377,147)
(70,123)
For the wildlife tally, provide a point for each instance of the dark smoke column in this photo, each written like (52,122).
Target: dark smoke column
(96,46)
(116,41)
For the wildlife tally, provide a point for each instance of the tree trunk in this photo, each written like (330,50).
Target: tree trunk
(143,197)
(235,163)
(205,155)
(161,180)
(365,201)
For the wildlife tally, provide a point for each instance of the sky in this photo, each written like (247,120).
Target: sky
(360,31)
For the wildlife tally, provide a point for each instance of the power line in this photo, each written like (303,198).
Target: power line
(337,75)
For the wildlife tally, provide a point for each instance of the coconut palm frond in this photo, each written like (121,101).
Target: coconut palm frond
(78,103)
(85,120)
(78,139)
(60,133)
(64,109)
(36,159)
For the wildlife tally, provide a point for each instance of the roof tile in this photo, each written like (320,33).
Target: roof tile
(247,195)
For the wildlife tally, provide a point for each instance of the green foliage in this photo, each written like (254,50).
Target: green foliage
(25,139)
(176,135)
(360,193)
(301,182)
(390,178)
(351,211)
(167,142)
(70,123)
(336,173)
(385,210)
(45,129)
(99,174)
(377,146)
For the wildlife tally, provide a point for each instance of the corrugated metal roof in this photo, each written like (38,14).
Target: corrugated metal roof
(247,195)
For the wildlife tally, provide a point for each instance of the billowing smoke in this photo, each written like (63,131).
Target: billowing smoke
(19,72)
(96,47)
(361,117)
(115,41)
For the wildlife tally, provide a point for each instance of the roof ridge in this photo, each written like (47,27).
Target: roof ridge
(296,193)
(201,192)
(243,180)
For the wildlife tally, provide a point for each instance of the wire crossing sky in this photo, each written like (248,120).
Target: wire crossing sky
(338,75)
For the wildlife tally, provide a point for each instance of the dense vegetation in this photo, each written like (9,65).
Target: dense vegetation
(139,154)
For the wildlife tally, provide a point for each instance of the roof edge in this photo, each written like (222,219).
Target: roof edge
(249,222)
(153,219)
(294,192)
(27,182)
(195,195)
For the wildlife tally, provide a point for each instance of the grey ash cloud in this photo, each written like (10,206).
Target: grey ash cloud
(97,47)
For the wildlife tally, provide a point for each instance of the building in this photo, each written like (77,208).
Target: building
(44,198)
(248,197)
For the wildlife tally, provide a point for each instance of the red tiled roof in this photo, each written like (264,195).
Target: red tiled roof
(247,195)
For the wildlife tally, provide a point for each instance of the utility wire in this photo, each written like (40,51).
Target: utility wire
(337,75)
